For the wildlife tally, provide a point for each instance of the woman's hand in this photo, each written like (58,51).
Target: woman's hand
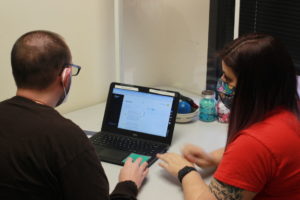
(133,171)
(173,162)
(198,156)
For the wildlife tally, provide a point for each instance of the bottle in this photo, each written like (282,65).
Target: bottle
(207,106)
(223,112)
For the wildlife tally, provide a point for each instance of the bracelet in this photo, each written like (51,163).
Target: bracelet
(184,171)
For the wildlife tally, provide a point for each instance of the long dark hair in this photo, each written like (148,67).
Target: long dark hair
(266,80)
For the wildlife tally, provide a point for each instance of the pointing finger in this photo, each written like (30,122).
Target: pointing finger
(163,165)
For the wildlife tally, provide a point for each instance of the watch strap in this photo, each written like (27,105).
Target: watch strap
(184,171)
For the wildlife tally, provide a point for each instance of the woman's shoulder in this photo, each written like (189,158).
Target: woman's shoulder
(280,130)
(277,122)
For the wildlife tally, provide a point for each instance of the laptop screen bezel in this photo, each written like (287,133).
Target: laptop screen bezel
(170,129)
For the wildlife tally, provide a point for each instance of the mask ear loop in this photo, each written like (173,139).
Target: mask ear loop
(65,91)
(66,72)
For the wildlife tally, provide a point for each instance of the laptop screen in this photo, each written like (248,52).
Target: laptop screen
(140,111)
(144,112)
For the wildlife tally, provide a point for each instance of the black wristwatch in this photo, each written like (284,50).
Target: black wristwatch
(184,171)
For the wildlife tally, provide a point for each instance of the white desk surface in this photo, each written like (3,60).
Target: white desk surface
(159,184)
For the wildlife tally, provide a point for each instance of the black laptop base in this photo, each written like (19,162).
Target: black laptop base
(114,152)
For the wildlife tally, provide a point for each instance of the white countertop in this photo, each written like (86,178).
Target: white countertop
(159,184)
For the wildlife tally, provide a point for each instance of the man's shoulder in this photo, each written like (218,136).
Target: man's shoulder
(65,130)
(66,140)
(41,123)
(5,102)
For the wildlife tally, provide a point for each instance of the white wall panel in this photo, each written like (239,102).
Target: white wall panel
(165,43)
(87,27)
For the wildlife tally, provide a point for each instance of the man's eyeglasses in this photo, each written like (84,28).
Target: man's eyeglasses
(75,69)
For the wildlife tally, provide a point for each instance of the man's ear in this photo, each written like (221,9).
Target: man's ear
(65,76)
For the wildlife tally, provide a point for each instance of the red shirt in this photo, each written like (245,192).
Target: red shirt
(265,158)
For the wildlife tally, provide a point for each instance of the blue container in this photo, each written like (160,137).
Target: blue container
(184,107)
(208,106)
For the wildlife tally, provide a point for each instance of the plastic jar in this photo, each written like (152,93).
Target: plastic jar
(207,106)
(223,112)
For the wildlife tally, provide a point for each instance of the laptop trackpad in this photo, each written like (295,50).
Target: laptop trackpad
(112,155)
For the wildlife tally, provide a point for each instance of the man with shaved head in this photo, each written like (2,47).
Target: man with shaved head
(42,154)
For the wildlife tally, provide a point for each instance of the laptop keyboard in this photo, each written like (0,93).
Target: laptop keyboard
(127,144)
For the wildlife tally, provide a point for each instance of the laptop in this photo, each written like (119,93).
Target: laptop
(138,122)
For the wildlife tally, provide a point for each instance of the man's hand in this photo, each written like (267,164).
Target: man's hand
(133,171)
(173,162)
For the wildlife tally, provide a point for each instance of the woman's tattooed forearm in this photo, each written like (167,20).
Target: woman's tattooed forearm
(224,191)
